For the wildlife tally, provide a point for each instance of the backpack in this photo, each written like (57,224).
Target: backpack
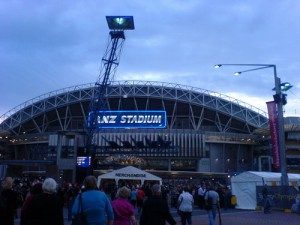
(208,201)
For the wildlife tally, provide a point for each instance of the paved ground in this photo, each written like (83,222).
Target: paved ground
(252,218)
(236,217)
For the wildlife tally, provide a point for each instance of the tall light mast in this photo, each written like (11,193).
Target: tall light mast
(110,61)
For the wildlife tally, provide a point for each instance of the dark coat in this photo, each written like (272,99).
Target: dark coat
(9,204)
(45,209)
(156,211)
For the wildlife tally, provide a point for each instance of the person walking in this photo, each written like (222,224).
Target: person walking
(212,199)
(123,209)
(46,208)
(95,204)
(155,210)
(8,202)
(185,206)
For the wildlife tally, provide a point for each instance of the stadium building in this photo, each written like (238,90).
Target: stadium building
(206,132)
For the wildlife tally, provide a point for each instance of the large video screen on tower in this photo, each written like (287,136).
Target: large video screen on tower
(128,119)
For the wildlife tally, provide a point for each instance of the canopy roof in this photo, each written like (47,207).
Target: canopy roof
(254,176)
(129,173)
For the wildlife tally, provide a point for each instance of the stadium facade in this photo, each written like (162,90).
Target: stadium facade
(206,132)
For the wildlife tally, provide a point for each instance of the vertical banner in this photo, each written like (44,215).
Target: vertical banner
(273,122)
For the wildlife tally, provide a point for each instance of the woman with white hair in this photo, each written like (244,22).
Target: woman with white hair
(46,208)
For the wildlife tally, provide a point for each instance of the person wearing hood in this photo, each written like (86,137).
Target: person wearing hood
(123,209)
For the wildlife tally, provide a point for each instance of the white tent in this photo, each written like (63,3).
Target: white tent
(244,186)
(129,173)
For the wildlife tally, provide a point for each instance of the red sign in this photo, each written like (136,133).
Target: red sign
(273,122)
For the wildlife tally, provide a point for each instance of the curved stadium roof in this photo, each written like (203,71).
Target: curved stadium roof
(56,110)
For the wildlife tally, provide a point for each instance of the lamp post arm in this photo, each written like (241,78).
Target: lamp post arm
(259,68)
(259,65)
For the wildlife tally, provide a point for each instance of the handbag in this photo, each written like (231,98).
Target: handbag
(80,217)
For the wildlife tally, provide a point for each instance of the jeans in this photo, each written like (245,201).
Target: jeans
(186,217)
(212,215)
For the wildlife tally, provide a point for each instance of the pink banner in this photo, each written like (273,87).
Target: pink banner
(273,122)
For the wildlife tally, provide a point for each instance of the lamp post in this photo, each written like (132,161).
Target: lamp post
(279,103)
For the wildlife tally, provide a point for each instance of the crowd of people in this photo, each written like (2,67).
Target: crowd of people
(42,201)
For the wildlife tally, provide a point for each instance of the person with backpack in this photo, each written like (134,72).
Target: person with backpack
(212,199)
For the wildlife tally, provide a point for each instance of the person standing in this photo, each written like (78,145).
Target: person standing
(34,190)
(140,198)
(155,210)
(46,208)
(95,204)
(185,206)
(200,193)
(133,196)
(123,209)
(8,202)
(267,203)
(212,199)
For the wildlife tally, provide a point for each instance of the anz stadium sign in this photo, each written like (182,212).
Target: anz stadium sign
(128,119)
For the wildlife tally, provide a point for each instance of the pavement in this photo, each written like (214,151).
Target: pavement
(233,217)
(251,218)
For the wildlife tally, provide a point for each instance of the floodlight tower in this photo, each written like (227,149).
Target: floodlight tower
(110,61)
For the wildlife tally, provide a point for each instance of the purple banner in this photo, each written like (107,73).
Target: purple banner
(273,122)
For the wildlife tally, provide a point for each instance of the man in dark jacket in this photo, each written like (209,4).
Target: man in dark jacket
(155,209)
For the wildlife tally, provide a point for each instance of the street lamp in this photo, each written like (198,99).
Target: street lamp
(279,97)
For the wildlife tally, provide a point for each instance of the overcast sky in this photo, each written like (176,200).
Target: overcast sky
(49,45)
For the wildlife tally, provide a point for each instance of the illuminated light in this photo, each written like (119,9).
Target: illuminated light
(24,132)
(228,176)
(120,22)
(216,159)
(237,73)
(228,160)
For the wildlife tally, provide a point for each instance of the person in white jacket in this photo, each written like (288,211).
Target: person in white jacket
(185,206)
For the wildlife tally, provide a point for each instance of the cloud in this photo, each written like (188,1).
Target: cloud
(55,44)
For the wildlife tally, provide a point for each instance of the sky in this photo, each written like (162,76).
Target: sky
(50,45)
